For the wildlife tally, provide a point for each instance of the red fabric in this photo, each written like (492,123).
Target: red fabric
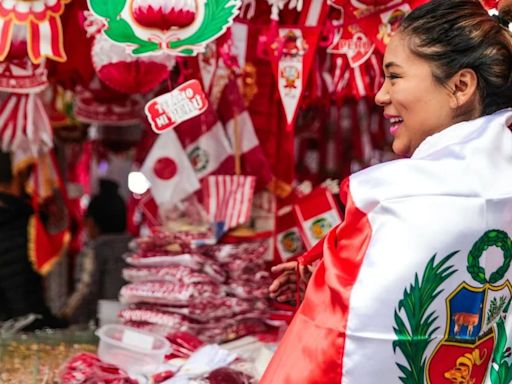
(253,159)
(133,76)
(266,111)
(312,349)
(44,247)
(77,69)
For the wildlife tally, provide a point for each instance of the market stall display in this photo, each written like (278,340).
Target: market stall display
(216,292)
(232,116)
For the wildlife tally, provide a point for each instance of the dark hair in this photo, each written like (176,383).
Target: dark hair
(6,175)
(458,34)
(107,209)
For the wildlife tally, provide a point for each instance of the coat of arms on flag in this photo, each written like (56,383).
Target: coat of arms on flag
(474,346)
(316,214)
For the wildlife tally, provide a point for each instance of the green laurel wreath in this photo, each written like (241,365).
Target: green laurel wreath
(218,15)
(415,332)
(501,369)
(490,238)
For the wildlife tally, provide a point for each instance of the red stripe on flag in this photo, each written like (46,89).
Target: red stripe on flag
(231,102)
(247,201)
(232,199)
(228,198)
(8,108)
(56,37)
(191,130)
(5,38)
(34,42)
(313,333)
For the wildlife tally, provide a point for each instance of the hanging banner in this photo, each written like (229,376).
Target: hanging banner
(363,75)
(173,108)
(314,13)
(181,27)
(293,52)
(43,28)
(207,62)
(378,19)
(381,26)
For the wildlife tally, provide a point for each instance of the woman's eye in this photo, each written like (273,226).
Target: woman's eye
(392,76)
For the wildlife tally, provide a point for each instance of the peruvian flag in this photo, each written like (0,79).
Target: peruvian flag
(206,144)
(228,200)
(240,130)
(415,285)
(316,214)
(169,171)
(289,242)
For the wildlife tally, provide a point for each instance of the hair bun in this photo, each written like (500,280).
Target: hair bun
(108,187)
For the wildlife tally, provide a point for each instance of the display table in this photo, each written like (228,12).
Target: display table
(34,358)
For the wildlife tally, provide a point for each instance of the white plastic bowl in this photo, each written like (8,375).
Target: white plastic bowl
(131,349)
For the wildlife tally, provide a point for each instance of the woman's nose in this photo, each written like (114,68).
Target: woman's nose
(382,97)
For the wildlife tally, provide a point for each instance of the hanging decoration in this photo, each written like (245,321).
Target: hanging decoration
(208,61)
(40,20)
(293,52)
(98,104)
(25,130)
(126,73)
(18,74)
(355,61)
(383,24)
(181,27)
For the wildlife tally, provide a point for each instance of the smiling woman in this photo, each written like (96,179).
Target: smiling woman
(405,283)
(443,68)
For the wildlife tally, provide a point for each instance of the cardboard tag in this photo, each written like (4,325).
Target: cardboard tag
(183,103)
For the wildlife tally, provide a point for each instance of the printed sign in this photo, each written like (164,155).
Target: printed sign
(183,103)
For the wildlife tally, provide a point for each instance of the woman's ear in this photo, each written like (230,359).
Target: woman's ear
(464,86)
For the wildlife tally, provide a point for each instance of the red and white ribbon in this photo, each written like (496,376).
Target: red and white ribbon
(25,127)
(44,29)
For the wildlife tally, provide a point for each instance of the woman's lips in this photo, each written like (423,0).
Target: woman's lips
(395,121)
(393,128)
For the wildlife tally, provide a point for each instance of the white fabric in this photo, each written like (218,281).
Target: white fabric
(184,183)
(456,186)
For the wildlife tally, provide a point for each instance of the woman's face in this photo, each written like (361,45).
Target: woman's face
(416,105)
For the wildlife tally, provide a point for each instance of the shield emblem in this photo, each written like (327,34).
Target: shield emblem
(464,353)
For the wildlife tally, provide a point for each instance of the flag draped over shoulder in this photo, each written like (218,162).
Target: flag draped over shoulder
(415,284)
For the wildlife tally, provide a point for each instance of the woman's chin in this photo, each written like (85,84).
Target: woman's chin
(400,150)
